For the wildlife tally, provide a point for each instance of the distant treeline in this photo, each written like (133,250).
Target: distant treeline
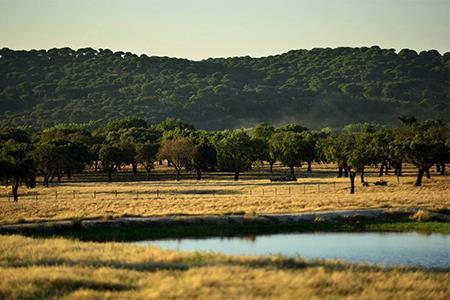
(317,88)
(66,149)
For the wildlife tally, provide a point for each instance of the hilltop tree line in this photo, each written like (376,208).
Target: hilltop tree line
(66,149)
(321,87)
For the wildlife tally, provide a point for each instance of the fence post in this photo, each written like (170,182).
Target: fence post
(289,187)
(157,193)
(36,195)
(9,196)
(95,194)
(318,187)
(115,193)
(275,191)
(56,195)
(304,189)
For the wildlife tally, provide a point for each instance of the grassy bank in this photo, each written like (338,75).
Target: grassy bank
(247,228)
(33,268)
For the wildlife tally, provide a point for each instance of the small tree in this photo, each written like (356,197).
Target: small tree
(179,153)
(17,166)
(205,159)
(146,154)
(75,157)
(422,144)
(308,150)
(235,152)
(111,158)
(288,147)
(261,135)
(128,151)
(45,156)
(334,148)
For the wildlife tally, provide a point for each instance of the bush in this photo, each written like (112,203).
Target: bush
(421,216)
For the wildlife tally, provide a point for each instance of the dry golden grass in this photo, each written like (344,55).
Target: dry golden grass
(58,268)
(212,197)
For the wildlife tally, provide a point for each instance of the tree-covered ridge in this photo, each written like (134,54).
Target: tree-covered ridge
(320,87)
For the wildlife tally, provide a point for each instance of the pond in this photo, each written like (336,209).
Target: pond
(389,249)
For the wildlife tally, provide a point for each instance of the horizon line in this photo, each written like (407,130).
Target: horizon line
(139,54)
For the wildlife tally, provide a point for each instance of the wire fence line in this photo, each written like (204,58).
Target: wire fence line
(285,190)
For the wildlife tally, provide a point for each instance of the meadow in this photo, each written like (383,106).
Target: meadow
(32,267)
(59,268)
(85,196)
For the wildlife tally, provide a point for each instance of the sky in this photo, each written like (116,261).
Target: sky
(198,29)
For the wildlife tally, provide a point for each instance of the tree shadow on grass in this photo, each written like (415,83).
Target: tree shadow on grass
(50,288)
(60,262)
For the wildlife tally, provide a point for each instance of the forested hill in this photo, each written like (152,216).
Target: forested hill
(317,88)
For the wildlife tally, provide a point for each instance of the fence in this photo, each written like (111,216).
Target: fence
(170,193)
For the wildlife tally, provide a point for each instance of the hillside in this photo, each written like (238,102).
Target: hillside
(317,88)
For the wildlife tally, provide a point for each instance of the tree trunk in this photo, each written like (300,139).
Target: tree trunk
(438,168)
(340,172)
(309,167)
(388,165)
(46,177)
(236,175)
(292,170)
(381,169)
(345,172)
(427,172)
(420,176)
(400,168)
(442,169)
(134,165)
(352,182)
(147,170)
(96,165)
(271,163)
(53,176)
(177,175)
(362,176)
(15,189)
(58,175)
(109,175)
(199,173)
(69,174)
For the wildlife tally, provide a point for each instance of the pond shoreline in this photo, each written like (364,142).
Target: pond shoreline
(131,228)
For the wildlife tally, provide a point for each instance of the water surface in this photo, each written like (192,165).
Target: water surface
(413,249)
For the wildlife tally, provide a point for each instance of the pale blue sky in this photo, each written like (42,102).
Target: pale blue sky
(220,28)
